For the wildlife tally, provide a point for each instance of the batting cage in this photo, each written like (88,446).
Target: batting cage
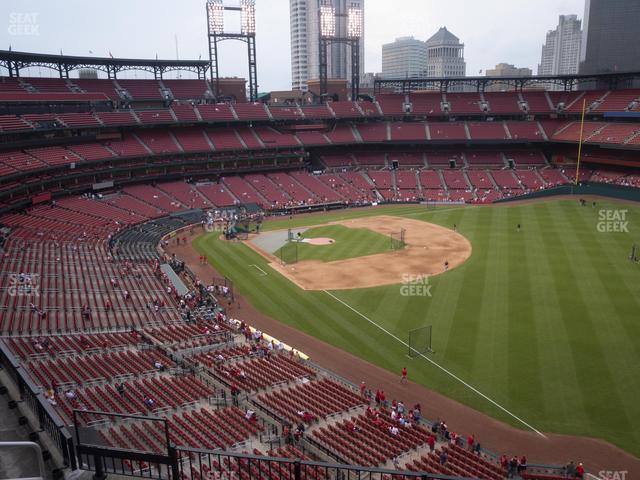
(420,341)
(397,239)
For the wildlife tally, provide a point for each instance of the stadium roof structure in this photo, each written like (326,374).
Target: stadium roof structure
(15,61)
(611,81)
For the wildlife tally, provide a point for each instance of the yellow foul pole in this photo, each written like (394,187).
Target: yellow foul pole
(584,106)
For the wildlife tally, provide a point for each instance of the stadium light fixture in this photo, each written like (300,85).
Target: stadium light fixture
(327,21)
(215,16)
(248,16)
(354,23)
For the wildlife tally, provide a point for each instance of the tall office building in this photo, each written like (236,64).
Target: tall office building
(404,58)
(561,51)
(505,70)
(611,36)
(445,55)
(305,41)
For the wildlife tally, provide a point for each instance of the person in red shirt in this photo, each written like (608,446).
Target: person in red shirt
(580,471)
(363,388)
(431,441)
(470,442)
(404,375)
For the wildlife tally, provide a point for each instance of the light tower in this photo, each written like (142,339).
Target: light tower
(328,19)
(216,33)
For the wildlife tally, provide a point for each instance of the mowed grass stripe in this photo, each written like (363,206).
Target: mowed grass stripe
(523,359)
(560,387)
(590,360)
(464,328)
(606,285)
(491,360)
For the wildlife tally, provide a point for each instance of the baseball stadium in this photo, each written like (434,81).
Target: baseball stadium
(429,279)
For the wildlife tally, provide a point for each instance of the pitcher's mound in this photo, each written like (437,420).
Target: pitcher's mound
(318,241)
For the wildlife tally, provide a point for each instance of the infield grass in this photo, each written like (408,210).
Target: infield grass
(545,321)
(349,243)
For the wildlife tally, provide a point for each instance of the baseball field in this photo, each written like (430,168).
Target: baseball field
(538,327)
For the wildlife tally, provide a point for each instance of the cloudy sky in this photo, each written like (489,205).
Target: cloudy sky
(493,31)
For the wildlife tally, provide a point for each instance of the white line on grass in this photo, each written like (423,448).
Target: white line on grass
(264,274)
(453,375)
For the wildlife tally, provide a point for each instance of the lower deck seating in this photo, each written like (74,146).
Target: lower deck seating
(368,440)
(318,398)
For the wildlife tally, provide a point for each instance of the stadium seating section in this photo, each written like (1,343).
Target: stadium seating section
(91,317)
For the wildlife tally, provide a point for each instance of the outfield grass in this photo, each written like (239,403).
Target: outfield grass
(350,243)
(545,321)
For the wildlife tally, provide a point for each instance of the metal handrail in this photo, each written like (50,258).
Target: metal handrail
(37,451)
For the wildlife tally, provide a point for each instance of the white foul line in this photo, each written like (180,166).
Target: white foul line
(264,274)
(472,388)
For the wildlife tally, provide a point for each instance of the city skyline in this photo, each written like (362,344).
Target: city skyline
(484,40)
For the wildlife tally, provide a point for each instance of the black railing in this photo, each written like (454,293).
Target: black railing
(207,465)
(48,419)
(96,452)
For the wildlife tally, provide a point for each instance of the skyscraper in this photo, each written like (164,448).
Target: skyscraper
(561,51)
(611,36)
(445,55)
(305,41)
(406,57)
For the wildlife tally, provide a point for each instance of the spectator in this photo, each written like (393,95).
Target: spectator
(470,442)
(443,457)
(148,401)
(363,388)
(504,462)
(417,414)
(403,378)
(570,470)
(522,465)
(50,395)
(286,433)
(579,471)
(120,389)
(235,391)
(70,394)
(431,441)
(394,430)
(477,448)
(158,366)
(512,468)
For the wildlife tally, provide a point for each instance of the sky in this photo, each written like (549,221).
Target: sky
(493,31)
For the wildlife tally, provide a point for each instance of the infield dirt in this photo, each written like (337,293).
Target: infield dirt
(428,247)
